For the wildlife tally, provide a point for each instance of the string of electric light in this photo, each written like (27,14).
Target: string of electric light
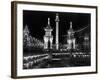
(81,29)
(78,30)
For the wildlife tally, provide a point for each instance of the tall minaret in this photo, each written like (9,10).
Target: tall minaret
(48,37)
(57,31)
(70,38)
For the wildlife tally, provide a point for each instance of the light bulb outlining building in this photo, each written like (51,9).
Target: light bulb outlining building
(26,37)
(30,41)
(62,51)
(48,37)
(26,31)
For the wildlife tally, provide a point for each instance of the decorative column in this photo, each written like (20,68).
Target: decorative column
(57,31)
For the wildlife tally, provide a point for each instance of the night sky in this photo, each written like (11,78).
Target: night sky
(37,21)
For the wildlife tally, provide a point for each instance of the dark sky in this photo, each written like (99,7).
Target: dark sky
(37,21)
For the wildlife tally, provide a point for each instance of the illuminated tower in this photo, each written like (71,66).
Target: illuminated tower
(86,42)
(57,31)
(70,38)
(26,31)
(26,38)
(48,38)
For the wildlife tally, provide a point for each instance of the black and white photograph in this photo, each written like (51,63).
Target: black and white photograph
(56,39)
(53,39)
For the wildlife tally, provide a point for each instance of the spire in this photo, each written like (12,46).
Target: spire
(26,30)
(70,25)
(48,21)
(70,29)
(48,26)
(57,17)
